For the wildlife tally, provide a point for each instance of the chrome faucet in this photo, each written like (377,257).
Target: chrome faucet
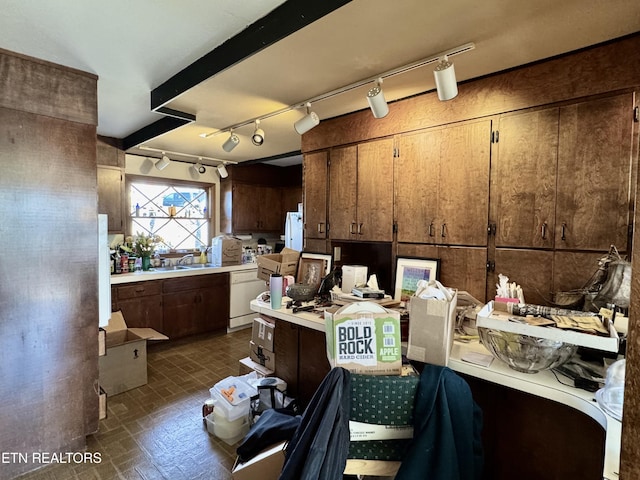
(181,260)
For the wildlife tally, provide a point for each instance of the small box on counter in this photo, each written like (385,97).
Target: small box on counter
(262,333)
(262,356)
(284,263)
(364,337)
(225,251)
(353,276)
(125,365)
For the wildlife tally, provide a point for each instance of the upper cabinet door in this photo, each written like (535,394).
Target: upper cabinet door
(594,169)
(315,195)
(523,179)
(342,193)
(375,191)
(416,193)
(463,193)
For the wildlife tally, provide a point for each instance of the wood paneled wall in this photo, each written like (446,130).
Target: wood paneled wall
(614,66)
(48,260)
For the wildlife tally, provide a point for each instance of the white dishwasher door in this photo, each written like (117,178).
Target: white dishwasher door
(245,286)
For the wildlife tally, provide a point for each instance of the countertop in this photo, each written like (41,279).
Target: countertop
(152,274)
(542,384)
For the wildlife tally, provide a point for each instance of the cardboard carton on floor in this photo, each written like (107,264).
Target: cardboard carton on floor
(364,337)
(125,365)
(284,263)
(262,333)
(262,356)
(267,465)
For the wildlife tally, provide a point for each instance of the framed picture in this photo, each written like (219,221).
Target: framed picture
(409,271)
(310,271)
(325,257)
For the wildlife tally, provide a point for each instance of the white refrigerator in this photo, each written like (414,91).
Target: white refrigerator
(293,231)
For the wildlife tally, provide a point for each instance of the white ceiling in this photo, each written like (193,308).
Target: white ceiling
(135,46)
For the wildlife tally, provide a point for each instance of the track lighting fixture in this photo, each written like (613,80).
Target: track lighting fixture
(163,162)
(445,76)
(376,100)
(307,122)
(222,171)
(231,142)
(258,135)
(198,167)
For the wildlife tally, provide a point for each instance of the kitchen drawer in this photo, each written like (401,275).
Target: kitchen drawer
(139,289)
(196,282)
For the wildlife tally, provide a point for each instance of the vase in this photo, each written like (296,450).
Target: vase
(146,263)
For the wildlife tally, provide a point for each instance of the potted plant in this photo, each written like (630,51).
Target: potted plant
(144,246)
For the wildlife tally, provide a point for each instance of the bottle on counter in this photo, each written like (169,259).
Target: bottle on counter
(124,260)
(118,262)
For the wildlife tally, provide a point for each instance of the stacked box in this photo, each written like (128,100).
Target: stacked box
(261,345)
(284,263)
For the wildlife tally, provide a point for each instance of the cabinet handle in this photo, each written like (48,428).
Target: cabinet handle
(564,228)
(443,232)
(544,231)
(351,227)
(431,234)
(359,229)
(320,229)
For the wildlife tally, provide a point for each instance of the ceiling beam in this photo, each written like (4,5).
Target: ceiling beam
(286,19)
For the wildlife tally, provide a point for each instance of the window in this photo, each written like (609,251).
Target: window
(179,213)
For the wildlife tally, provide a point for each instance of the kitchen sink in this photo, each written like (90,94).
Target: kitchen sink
(172,268)
(200,265)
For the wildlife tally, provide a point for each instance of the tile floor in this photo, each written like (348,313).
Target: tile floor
(156,431)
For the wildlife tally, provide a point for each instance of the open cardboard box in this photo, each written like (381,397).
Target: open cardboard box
(125,365)
(284,263)
(267,465)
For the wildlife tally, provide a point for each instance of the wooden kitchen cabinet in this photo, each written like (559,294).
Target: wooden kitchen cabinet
(256,208)
(195,304)
(561,176)
(315,176)
(442,185)
(140,303)
(111,196)
(361,192)
(301,358)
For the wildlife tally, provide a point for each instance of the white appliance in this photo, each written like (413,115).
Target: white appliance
(104,272)
(245,286)
(293,231)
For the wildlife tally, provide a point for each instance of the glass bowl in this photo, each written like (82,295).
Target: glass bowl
(525,353)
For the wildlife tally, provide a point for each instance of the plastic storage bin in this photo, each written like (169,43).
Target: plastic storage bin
(229,432)
(233,396)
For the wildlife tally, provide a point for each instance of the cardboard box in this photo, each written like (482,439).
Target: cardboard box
(248,366)
(364,337)
(125,365)
(284,263)
(226,250)
(102,404)
(431,329)
(267,465)
(263,333)
(262,356)
(353,275)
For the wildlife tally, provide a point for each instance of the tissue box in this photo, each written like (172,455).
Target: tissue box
(431,328)
(364,337)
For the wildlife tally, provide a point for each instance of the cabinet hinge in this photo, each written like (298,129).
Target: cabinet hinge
(491,266)
(491,229)
(630,230)
(396,152)
(495,136)
(636,114)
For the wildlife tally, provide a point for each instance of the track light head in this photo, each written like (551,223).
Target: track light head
(231,142)
(307,122)
(199,168)
(258,135)
(222,171)
(376,100)
(445,76)
(163,162)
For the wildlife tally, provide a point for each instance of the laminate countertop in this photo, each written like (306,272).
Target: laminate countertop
(159,274)
(542,384)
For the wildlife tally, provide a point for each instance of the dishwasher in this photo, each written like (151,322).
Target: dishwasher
(245,286)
